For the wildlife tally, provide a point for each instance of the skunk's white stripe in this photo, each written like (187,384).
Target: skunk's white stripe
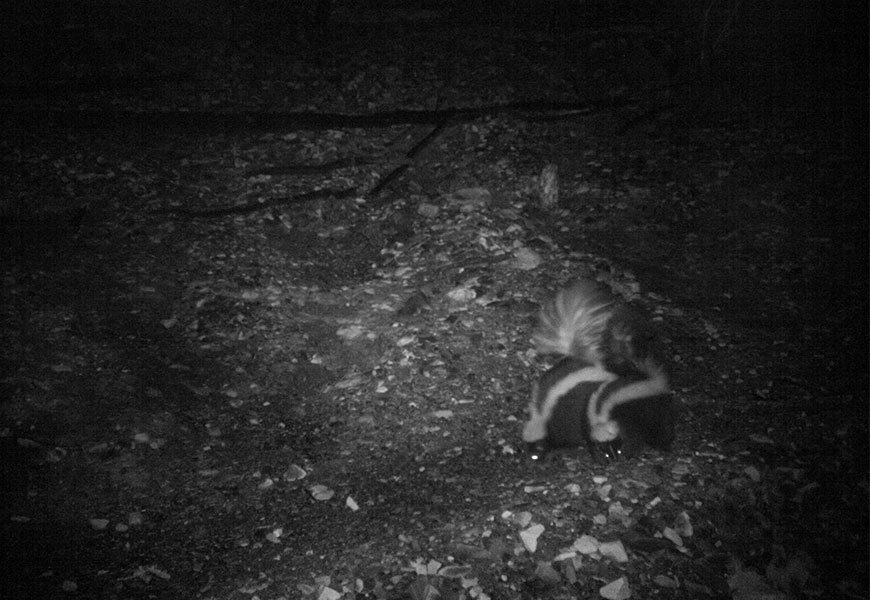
(601,427)
(539,412)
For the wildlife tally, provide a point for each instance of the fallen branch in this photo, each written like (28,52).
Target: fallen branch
(298,169)
(414,151)
(280,122)
(242,209)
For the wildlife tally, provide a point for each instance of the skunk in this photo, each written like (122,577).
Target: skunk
(608,391)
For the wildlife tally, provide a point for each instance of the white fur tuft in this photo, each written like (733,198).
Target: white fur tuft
(574,323)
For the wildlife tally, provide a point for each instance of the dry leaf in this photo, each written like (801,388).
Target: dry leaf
(683,525)
(530,536)
(614,550)
(421,589)
(455,571)
(673,536)
(586,544)
(527,259)
(522,518)
(321,492)
(294,473)
(616,590)
(546,573)
(327,593)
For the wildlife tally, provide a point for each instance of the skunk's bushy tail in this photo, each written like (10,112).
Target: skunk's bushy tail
(574,323)
(585,323)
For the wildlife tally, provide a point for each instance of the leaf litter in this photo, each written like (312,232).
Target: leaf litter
(381,349)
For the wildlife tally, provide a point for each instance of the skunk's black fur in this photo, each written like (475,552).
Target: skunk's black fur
(608,391)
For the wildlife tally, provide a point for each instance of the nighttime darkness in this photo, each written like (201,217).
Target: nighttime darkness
(434,299)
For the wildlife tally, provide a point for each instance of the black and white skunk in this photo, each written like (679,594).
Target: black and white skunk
(608,391)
